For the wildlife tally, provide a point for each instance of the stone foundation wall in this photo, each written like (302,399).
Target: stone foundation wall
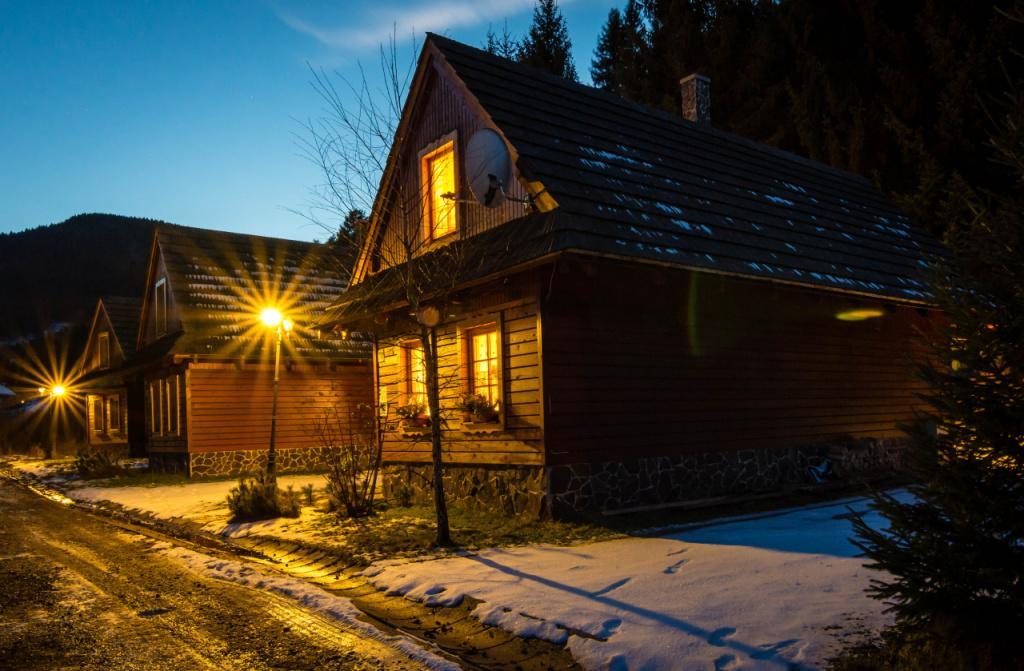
(513,490)
(242,462)
(168,462)
(616,485)
(567,491)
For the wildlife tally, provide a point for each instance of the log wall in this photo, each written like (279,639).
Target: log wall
(650,361)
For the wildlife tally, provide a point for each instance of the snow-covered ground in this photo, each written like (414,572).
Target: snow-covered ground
(336,608)
(202,502)
(764,592)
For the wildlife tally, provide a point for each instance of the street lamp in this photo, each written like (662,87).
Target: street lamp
(55,394)
(273,319)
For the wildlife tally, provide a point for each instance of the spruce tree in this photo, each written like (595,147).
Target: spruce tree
(504,45)
(547,45)
(954,555)
(605,65)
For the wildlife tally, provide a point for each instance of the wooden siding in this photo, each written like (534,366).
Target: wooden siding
(520,439)
(162,440)
(229,407)
(442,110)
(644,362)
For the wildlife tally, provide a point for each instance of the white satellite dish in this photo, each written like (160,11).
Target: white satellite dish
(488,167)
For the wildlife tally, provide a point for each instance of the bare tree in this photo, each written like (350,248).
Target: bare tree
(352,438)
(356,145)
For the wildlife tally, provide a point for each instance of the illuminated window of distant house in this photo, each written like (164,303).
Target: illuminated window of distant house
(484,362)
(437,168)
(171,401)
(160,306)
(114,413)
(415,372)
(98,424)
(103,350)
(152,407)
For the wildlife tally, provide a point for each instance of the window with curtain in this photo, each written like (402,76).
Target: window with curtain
(437,169)
(415,372)
(484,362)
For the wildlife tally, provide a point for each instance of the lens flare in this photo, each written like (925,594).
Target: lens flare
(271,317)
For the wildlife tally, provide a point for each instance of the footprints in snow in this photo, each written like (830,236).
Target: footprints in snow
(678,565)
(610,588)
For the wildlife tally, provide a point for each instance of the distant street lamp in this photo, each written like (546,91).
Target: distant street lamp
(55,394)
(273,319)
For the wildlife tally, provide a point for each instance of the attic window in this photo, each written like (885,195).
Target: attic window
(160,306)
(103,350)
(437,169)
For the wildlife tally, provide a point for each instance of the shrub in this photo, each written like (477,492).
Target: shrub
(255,499)
(307,494)
(98,461)
(352,459)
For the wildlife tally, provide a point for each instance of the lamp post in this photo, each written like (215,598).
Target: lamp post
(55,393)
(272,318)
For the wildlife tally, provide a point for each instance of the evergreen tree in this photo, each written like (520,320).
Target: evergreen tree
(619,59)
(605,65)
(547,45)
(345,243)
(504,45)
(955,554)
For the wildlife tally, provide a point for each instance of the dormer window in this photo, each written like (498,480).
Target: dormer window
(103,350)
(437,169)
(160,306)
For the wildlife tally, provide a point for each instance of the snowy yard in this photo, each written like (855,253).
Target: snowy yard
(765,592)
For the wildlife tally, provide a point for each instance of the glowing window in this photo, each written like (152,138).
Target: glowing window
(103,350)
(438,171)
(484,362)
(415,372)
(98,417)
(114,413)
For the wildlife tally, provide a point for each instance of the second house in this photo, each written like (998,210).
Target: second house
(210,357)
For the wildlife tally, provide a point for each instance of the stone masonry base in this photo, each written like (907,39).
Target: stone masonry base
(512,490)
(571,490)
(236,462)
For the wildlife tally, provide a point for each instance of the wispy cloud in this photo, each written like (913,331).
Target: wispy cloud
(370,28)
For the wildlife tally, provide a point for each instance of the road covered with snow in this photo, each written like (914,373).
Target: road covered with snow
(773,591)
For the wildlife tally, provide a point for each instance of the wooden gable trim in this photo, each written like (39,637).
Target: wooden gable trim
(431,57)
(83,359)
(151,265)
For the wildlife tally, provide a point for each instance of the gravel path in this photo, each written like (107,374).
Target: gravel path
(77,592)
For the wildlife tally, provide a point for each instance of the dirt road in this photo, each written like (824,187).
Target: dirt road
(79,593)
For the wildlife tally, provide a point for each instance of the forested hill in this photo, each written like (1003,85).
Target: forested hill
(55,273)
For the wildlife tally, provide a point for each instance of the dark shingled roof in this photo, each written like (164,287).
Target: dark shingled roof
(638,182)
(220,281)
(123,313)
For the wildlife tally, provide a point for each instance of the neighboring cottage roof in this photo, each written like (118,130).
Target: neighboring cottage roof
(123,313)
(643,183)
(220,281)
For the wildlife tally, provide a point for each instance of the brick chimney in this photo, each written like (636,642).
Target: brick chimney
(696,90)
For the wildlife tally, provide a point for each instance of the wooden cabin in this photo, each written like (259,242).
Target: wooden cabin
(658,311)
(111,385)
(209,377)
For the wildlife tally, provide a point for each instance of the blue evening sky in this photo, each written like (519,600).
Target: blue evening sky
(186,111)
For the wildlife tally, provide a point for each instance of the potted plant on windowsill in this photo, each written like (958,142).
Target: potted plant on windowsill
(478,412)
(413,418)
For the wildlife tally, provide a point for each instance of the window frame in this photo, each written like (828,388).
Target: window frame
(407,348)
(160,306)
(110,402)
(99,419)
(426,154)
(103,350)
(496,324)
